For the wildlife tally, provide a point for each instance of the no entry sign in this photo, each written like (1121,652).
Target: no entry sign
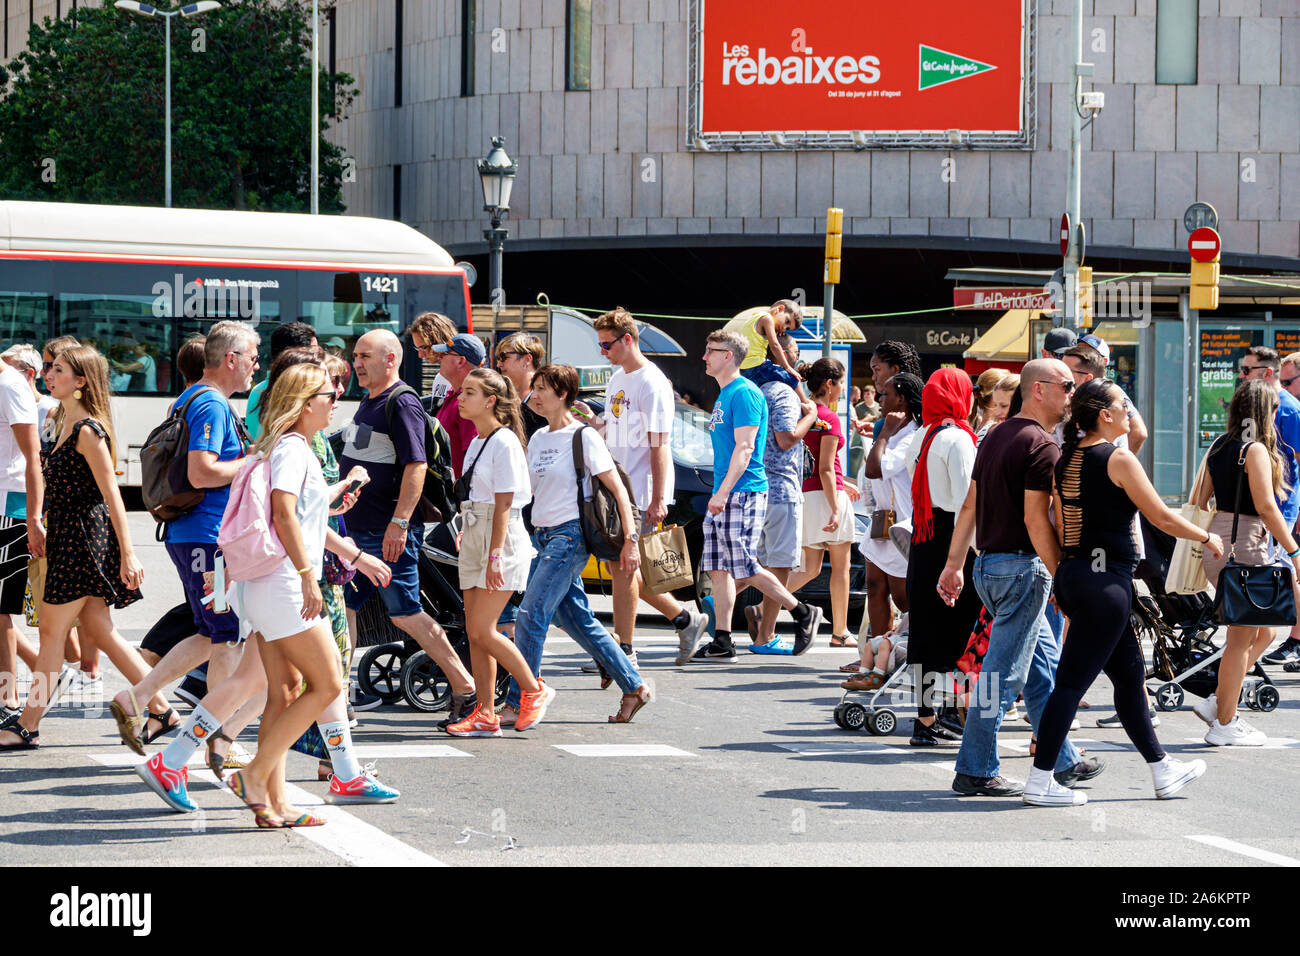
(1204,244)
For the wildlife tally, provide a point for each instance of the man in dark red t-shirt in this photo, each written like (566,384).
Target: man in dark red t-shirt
(462,356)
(1007,513)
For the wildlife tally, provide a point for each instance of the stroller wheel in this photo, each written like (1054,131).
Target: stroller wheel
(424,685)
(882,723)
(380,671)
(855,716)
(1267,698)
(1169,697)
(838,715)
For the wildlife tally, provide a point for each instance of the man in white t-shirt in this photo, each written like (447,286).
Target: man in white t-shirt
(637,423)
(21,534)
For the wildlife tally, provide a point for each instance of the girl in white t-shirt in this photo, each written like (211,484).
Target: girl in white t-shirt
(495,553)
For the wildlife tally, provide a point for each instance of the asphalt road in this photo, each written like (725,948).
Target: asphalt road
(736,764)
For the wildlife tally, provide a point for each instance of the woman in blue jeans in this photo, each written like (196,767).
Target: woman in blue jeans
(554,585)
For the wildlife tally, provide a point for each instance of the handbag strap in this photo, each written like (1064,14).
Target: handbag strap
(577,465)
(468,475)
(1236,508)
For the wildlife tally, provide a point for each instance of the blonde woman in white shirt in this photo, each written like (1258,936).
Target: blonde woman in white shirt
(495,553)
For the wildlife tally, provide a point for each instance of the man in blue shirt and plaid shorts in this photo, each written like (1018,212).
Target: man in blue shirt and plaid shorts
(739,504)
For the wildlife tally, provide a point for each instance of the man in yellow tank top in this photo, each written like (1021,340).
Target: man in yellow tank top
(761,331)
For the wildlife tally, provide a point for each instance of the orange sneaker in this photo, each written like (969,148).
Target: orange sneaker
(532,707)
(477,724)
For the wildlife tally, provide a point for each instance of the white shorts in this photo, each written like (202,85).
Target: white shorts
(475,544)
(817,511)
(271,605)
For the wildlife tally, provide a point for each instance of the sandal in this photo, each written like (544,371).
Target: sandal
(27,739)
(302,819)
(129,726)
(219,762)
(844,640)
(162,719)
(262,814)
(753,620)
(851,668)
(624,716)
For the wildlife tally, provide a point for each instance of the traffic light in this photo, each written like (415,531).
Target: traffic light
(1205,285)
(1083,287)
(834,244)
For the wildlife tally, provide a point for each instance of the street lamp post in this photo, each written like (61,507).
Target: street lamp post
(189,10)
(315,107)
(497,173)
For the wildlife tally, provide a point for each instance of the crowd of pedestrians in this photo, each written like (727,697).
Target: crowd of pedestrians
(1017,496)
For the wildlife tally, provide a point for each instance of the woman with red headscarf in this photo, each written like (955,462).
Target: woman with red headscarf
(940,461)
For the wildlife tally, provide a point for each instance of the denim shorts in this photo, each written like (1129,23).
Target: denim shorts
(401,597)
(191,560)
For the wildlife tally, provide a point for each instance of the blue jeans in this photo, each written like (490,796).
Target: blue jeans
(1022,655)
(769,371)
(555,595)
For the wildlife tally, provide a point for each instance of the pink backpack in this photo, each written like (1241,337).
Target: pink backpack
(247,536)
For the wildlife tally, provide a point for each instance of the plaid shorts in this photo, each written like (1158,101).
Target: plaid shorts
(731,538)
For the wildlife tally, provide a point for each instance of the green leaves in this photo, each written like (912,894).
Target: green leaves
(87,94)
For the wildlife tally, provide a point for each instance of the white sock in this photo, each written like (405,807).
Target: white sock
(878,670)
(1157,764)
(1039,780)
(193,734)
(338,741)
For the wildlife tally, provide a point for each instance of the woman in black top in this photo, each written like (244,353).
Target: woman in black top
(1097,490)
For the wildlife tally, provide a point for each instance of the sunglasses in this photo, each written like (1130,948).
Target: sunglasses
(1247,369)
(1286,382)
(46,366)
(606,346)
(336,380)
(333,396)
(1068,386)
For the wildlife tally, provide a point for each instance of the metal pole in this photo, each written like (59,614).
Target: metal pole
(1074,187)
(828,314)
(496,237)
(315,107)
(167,110)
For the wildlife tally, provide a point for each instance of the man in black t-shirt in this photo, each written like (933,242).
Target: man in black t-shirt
(1007,513)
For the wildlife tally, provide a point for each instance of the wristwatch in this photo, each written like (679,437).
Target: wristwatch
(402,523)
(633,536)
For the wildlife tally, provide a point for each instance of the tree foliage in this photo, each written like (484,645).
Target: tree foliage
(81,110)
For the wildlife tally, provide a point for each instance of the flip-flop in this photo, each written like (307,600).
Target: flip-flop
(129,725)
(773,646)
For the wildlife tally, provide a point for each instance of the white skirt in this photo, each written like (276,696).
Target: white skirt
(816,514)
(476,542)
(271,605)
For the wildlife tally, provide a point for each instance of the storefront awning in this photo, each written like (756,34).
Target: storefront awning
(1008,340)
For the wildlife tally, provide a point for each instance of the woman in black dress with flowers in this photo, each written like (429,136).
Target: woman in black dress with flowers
(91,564)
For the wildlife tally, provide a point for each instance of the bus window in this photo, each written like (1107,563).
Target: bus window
(24,318)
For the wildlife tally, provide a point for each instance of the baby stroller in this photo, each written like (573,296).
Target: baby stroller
(1180,629)
(395,667)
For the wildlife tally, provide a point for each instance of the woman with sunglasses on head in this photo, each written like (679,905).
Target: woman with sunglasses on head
(518,358)
(1098,488)
(495,553)
(91,563)
(555,592)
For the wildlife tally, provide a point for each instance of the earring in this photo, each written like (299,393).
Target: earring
(77,394)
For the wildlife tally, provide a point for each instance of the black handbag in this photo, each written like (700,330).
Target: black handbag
(1253,595)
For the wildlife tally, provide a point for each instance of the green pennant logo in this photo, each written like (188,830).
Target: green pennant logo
(940,66)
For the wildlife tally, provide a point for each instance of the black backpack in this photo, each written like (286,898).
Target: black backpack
(602,525)
(437,499)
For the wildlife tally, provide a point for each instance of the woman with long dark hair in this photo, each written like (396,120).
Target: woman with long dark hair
(941,459)
(828,523)
(1098,488)
(1248,448)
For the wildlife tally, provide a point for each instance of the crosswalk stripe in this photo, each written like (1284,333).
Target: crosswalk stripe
(621,750)
(1232,846)
(352,840)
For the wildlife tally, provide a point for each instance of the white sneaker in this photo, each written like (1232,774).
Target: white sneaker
(1238,733)
(1013,713)
(691,637)
(1171,775)
(1207,710)
(1053,795)
(83,681)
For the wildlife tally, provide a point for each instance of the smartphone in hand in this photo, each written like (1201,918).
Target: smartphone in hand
(351,488)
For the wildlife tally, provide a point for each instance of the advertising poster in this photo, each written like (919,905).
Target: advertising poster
(1286,341)
(864,65)
(1221,353)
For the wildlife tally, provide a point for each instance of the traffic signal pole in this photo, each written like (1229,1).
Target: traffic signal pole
(831,273)
(1074,185)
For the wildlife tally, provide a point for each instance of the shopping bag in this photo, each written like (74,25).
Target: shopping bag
(665,561)
(1186,573)
(33,596)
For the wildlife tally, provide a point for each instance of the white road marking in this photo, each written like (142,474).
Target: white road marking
(352,840)
(837,747)
(1274,743)
(1091,745)
(622,750)
(1232,846)
(373,751)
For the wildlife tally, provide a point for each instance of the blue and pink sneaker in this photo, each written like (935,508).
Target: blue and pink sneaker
(361,789)
(167,783)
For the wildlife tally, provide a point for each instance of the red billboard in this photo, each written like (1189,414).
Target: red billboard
(862,67)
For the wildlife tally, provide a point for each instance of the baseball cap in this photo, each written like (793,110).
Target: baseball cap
(469,346)
(336,342)
(1099,344)
(1059,339)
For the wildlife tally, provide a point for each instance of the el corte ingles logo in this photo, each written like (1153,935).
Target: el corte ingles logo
(939,66)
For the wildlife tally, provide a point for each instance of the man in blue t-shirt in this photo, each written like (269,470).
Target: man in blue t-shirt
(738,507)
(382,521)
(216,446)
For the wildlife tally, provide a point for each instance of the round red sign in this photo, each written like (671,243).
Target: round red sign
(1204,244)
